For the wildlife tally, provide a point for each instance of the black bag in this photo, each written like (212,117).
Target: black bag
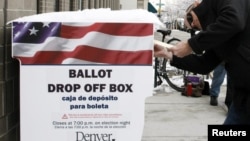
(206,88)
(197,85)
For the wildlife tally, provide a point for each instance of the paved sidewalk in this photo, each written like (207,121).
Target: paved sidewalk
(169,116)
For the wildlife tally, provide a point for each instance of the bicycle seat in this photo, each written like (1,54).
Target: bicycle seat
(164,32)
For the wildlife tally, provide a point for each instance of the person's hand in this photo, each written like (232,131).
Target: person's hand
(160,51)
(182,49)
(196,3)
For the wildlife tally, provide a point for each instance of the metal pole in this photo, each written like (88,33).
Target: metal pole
(57,6)
(80,4)
(37,6)
(159,10)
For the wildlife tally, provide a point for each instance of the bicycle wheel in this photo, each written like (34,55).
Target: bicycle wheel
(173,75)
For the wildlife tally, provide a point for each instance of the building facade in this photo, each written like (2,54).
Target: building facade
(9,67)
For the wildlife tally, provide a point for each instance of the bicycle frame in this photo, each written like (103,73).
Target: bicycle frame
(160,67)
(156,61)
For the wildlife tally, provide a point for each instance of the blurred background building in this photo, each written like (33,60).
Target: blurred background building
(172,12)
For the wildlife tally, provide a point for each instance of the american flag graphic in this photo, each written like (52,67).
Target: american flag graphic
(83,43)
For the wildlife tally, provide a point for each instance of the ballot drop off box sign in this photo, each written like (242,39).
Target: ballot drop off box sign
(83,80)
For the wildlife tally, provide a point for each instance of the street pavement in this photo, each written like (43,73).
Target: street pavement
(169,116)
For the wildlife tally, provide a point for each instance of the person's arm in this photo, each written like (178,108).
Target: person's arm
(181,49)
(202,64)
(160,51)
(193,63)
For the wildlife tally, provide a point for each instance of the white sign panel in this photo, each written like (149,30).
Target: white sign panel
(83,103)
(83,81)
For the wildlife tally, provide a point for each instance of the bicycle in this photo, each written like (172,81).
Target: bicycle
(175,78)
(163,69)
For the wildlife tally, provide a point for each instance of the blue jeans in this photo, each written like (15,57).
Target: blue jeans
(218,78)
(236,116)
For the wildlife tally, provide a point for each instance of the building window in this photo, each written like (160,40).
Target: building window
(45,6)
(140,4)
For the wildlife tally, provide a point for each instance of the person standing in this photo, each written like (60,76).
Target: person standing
(219,74)
(224,38)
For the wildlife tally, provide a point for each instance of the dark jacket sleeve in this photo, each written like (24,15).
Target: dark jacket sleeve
(202,64)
